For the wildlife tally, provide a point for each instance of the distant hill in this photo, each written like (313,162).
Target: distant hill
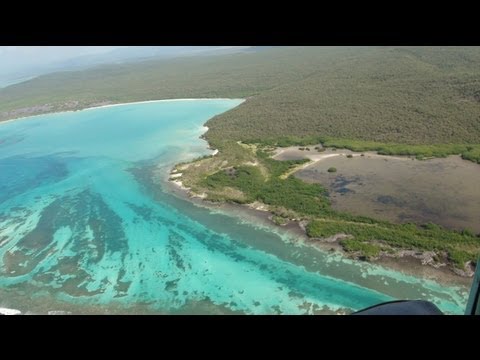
(116,56)
(141,53)
(417,95)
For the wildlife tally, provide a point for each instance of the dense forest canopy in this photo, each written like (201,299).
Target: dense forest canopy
(409,95)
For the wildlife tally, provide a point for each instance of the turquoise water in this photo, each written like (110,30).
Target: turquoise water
(88,224)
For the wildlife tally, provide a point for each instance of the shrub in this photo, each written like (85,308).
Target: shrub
(468,232)
(279,220)
(366,249)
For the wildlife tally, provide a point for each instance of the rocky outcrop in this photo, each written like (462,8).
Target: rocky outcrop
(468,271)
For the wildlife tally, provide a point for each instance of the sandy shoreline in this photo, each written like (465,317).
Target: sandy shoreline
(115,104)
(155,101)
(316,157)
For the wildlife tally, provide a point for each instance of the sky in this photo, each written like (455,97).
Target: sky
(16,58)
(20,63)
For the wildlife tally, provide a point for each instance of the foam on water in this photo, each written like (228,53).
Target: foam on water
(83,223)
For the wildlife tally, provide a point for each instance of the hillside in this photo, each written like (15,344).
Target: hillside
(234,75)
(402,95)
(412,96)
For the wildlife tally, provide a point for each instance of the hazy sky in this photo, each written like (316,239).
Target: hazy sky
(15,58)
(20,63)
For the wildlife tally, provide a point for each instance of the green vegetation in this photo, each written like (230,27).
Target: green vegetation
(459,246)
(349,156)
(388,95)
(290,193)
(332,169)
(366,249)
(468,152)
(285,141)
(279,220)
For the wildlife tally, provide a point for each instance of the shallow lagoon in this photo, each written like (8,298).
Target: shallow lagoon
(85,227)
(402,189)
